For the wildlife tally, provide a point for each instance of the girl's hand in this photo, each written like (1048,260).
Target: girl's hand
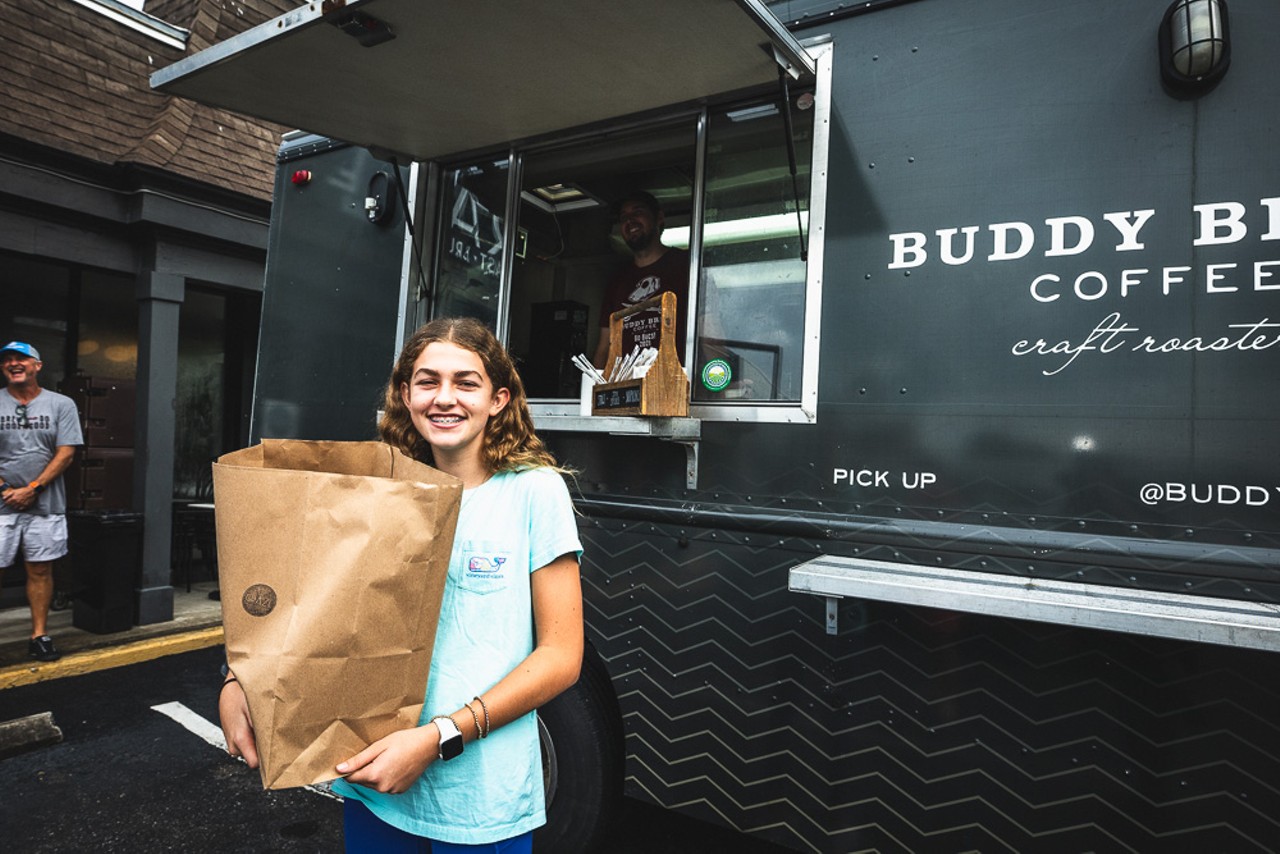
(237,729)
(391,764)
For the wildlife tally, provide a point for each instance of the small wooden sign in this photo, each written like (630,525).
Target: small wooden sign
(664,389)
(615,397)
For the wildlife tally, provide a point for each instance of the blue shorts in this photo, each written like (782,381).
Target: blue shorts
(43,538)
(365,833)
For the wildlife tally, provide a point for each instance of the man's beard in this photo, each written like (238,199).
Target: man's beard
(639,240)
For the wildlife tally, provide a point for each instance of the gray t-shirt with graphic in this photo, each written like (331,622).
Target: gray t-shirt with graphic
(28,442)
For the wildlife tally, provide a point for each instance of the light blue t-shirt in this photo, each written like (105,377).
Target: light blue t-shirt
(509,526)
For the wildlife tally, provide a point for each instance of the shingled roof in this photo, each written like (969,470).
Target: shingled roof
(77,81)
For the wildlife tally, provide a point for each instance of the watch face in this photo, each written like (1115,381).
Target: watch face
(451,747)
(450,737)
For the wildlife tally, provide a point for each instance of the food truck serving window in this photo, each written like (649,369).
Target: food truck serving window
(533,244)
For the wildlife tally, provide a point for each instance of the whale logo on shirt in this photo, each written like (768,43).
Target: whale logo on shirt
(485,570)
(485,565)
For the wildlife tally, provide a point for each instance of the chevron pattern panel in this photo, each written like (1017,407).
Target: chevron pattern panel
(917,730)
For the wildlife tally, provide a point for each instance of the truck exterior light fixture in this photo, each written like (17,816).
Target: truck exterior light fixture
(1195,48)
(364,28)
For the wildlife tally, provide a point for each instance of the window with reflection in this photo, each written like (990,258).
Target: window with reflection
(199,419)
(107,343)
(37,300)
(469,269)
(751,303)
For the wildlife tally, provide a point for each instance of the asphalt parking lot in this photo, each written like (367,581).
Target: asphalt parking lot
(134,773)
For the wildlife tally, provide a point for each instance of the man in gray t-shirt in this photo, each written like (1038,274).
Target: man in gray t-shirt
(39,432)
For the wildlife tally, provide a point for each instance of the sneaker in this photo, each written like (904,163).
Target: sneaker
(42,649)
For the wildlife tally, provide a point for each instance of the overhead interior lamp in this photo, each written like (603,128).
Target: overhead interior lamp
(559,198)
(559,192)
(759,111)
(730,231)
(1195,48)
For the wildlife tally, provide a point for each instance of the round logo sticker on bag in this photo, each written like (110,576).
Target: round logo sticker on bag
(716,375)
(259,600)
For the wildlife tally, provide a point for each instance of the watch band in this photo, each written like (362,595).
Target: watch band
(450,737)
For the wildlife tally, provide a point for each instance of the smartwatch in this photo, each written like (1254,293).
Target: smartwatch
(450,737)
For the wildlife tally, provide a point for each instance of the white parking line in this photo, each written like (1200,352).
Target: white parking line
(213,735)
(193,723)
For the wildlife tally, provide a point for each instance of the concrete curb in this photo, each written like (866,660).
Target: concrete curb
(22,734)
(89,661)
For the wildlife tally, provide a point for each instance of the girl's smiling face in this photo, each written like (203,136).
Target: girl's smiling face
(450,399)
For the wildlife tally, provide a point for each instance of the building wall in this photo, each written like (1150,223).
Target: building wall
(133,233)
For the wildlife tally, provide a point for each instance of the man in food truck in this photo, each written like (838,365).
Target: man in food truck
(653,269)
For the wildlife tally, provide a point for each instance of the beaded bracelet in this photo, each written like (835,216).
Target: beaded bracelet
(476,718)
(487,727)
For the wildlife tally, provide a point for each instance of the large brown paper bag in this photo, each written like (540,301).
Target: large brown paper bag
(332,559)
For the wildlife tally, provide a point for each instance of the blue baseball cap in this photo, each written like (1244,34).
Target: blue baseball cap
(21,347)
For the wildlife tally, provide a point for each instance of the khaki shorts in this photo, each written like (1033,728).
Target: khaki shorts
(43,538)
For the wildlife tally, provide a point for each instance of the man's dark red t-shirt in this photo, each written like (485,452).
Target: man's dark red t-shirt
(634,284)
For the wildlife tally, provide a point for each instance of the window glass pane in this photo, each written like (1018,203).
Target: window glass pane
(108,339)
(34,308)
(752,296)
(198,428)
(469,271)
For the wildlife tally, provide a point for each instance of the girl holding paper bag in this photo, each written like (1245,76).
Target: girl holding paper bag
(510,638)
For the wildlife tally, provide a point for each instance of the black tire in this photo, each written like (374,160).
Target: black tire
(582,762)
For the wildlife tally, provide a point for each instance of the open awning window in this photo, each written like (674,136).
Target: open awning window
(433,79)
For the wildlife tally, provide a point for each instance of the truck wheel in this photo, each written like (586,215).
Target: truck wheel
(582,761)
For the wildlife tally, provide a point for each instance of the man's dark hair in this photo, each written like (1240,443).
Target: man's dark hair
(638,197)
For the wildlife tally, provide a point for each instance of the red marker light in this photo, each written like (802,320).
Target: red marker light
(301,177)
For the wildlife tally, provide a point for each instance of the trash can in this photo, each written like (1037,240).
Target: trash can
(106,559)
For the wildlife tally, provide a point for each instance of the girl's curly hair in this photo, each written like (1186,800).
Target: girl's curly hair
(509,441)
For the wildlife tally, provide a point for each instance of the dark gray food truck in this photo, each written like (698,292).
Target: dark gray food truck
(970,537)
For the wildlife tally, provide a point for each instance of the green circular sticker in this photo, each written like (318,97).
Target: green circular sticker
(716,375)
